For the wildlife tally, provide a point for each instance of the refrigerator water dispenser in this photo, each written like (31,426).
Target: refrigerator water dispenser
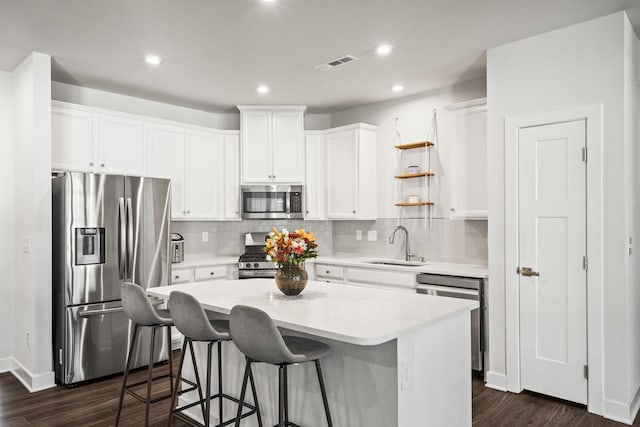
(89,246)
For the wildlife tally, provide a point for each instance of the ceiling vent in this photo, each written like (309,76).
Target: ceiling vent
(335,63)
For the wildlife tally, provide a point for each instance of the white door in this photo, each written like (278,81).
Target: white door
(120,145)
(342,175)
(552,243)
(288,146)
(203,154)
(71,140)
(256,146)
(165,159)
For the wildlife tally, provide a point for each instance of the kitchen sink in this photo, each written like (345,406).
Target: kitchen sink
(396,263)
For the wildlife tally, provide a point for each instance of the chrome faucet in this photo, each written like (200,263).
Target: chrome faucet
(407,245)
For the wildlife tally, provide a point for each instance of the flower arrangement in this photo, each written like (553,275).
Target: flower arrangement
(288,248)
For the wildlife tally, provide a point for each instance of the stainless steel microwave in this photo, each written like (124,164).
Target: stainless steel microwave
(272,201)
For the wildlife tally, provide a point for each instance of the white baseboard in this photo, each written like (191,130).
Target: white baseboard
(496,381)
(30,381)
(618,411)
(6,364)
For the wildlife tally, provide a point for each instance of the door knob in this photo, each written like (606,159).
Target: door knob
(527,271)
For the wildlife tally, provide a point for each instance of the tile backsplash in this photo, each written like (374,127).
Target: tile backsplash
(446,240)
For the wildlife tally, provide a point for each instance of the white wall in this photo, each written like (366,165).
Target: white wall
(129,104)
(31,107)
(414,114)
(577,66)
(7,219)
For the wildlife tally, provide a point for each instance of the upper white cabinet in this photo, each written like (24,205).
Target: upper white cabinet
(86,141)
(351,172)
(203,166)
(468,162)
(315,193)
(120,145)
(272,144)
(71,140)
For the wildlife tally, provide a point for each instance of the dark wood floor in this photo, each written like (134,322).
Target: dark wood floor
(94,404)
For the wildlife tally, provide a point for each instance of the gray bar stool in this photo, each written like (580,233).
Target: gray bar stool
(139,309)
(257,336)
(192,322)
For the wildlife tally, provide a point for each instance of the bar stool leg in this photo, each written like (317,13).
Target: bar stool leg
(208,394)
(281,393)
(174,391)
(325,402)
(243,390)
(149,376)
(286,397)
(197,375)
(220,381)
(255,396)
(170,354)
(126,371)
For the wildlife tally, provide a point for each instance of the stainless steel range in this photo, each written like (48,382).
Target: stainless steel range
(253,262)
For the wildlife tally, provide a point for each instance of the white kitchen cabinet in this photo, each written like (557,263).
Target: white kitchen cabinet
(165,159)
(351,172)
(120,145)
(468,161)
(314,190)
(201,273)
(231,184)
(202,175)
(87,141)
(71,140)
(272,144)
(365,276)
(328,273)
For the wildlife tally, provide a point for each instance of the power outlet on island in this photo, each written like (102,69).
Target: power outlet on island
(406,374)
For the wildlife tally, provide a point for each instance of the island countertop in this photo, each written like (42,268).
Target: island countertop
(350,314)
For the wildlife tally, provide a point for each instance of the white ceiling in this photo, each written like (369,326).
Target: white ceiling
(217,51)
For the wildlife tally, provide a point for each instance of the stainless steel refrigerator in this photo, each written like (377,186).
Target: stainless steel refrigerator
(107,230)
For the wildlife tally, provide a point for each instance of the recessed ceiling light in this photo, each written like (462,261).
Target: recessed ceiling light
(384,49)
(262,89)
(269,1)
(397,88)
(153,59)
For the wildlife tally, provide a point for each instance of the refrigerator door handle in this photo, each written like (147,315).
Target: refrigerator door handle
(89,313)
(129,239)
(122,239)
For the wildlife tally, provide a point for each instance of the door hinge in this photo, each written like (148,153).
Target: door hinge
(586,372)
(585,262)
(584,154)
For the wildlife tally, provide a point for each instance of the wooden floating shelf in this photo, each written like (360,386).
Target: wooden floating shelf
(414,204)
(414,145)
(414,175)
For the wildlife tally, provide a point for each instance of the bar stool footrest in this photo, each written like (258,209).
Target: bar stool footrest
(177,412)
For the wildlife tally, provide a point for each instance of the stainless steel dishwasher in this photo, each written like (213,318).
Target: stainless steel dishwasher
(465,288)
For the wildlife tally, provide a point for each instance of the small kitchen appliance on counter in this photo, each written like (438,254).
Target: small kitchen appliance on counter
(253,262)
(177,247)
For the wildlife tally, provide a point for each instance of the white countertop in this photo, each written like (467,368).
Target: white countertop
(432,267)
(356,315)
(202,260)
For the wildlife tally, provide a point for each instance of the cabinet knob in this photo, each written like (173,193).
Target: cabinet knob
(307,212)
(90,163)
(101,165)
(354,211)
(176,277)
(327,271)
(212,273)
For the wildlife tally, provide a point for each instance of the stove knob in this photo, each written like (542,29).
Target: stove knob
(255,265)
(248,265)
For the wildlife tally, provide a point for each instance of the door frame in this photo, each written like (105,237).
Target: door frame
(593,116)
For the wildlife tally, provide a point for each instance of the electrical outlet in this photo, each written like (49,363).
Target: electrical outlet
(406,374)
(205,236)
(372,235)
(358,234)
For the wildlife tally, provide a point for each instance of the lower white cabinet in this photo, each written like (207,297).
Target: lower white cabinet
(364,276)
(203,273)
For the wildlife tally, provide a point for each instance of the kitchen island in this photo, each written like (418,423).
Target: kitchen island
(397,359)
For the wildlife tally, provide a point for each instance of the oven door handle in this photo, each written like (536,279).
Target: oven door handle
(448,291)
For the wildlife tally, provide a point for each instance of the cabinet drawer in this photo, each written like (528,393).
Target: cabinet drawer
(212,272)
(387,279)
(181,275)
(329,271)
